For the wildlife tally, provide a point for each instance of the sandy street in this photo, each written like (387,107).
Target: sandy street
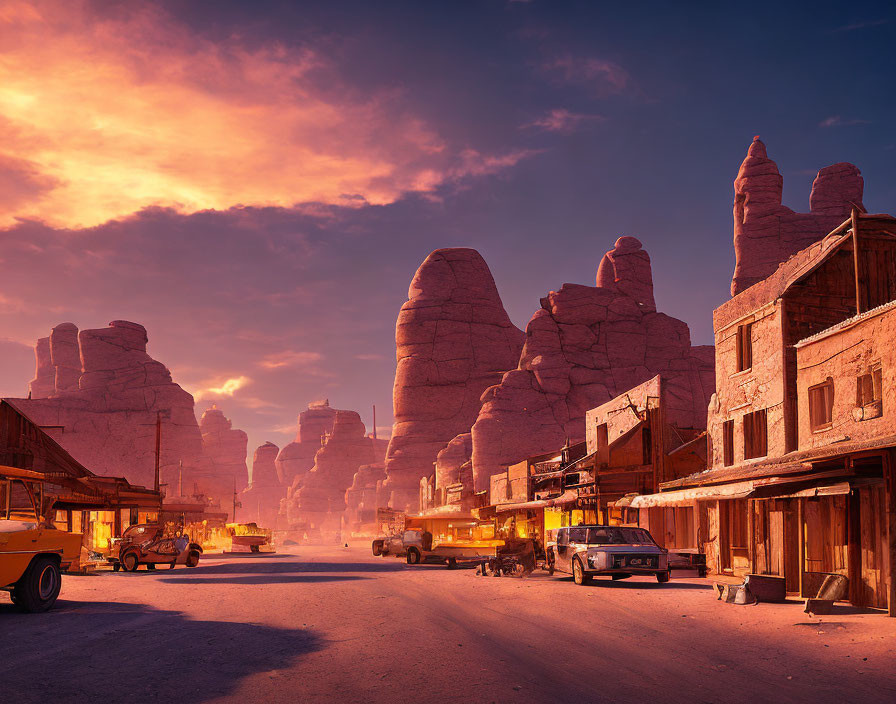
(338,625)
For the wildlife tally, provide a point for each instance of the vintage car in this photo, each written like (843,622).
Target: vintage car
(389,545)
(33,553)
(248,536)
(147,544)
(614,551)
(439,538)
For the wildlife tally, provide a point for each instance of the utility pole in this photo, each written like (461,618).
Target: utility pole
(180,478)
(158,446)
(374,421)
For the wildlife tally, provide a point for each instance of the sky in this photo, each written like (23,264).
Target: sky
(256,183)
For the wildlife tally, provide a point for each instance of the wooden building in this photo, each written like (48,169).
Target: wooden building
(802,428)
(99,507)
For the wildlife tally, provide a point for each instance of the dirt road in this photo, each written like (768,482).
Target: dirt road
(338,625)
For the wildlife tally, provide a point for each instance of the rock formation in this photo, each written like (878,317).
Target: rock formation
(315,502)
(583,347)
(453,341)
(765,232)
(361,501)
(105,394)
(261,499)
(626,268)
(297,458)
(224,452)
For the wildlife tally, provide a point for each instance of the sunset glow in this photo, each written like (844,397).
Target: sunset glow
(105,114)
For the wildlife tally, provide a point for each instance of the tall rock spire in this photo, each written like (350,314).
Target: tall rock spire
(765,232)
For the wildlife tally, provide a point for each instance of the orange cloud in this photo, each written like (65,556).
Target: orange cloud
(227,387)
(289,358)
(104,114)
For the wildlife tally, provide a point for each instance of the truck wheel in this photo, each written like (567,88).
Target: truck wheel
(130,562)
(578,573)
(193,558)
(377,548)
(452,563)
(116,566)
(37,590)
(413,556)
(663,577)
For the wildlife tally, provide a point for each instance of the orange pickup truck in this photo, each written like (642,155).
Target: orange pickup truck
(33,553)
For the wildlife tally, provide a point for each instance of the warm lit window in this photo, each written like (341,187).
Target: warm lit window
(728,442)
(744,346)
(821,405)
(755,434)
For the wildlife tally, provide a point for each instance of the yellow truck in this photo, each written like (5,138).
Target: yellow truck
(33,553)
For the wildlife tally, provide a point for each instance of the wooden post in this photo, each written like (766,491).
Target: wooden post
(854,222)
(801,536)
(854,549)
(890,468)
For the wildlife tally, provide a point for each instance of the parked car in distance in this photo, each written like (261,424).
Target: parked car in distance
(248,537)
(389,545)
(147,544)
(33,553)
(614,551)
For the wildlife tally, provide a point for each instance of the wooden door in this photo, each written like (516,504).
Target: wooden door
(875,572)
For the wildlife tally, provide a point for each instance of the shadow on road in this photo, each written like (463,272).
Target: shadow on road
(291,567)
(628,584)
(81,651)
(264,579)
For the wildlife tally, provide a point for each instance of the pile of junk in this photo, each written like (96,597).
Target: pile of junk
(518,557)
(825,588)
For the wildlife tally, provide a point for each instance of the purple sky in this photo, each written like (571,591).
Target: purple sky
(256,183)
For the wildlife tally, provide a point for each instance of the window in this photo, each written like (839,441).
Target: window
(868,394)
(728,442)
(744,346)
(821,405)
(755,434)
(868,387)
(577,535)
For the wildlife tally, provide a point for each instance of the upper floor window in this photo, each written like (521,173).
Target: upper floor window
(821,405)
(755,434)
(728,443)
(868,393)
(744,346)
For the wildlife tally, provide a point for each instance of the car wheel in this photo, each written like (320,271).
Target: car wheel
(413,556)
(377,548)
(253,548)
(663,577)
(130,562)
(150,566)
(578,573)
(37,590)
(193,558)
(701,572)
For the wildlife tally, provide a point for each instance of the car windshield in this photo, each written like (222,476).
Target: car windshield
(618,536)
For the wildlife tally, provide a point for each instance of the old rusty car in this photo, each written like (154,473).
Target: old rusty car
(618,552)
(147,544)
(33,553)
